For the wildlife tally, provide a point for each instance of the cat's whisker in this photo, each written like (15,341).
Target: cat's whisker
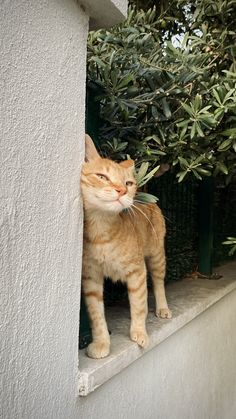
(154,210)
(134,206)
(130,201)
(128,210)
(132,211)
(151,208)
(142,202)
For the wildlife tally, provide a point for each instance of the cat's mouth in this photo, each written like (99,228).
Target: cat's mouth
(114,204)
(124,205)
(117,201)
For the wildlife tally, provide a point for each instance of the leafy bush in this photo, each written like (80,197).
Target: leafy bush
(231,241)
(166,81)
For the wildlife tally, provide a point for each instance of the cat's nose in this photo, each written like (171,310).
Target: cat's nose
(121,191)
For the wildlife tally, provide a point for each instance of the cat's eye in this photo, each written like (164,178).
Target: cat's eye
(102,176)
(129,183)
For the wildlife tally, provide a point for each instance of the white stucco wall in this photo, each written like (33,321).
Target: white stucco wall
(42,82)
(42,85)
(43,62)
(191,375)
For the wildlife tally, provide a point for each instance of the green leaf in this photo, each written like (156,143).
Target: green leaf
(232,251)
(193,130)
(98,61)
(166,108)
(183,123)
(216,95)
(196,174)
(222,167)
(225,145)
(183,162)
(125,81)
(141,172)
(145,197)
(187,108)
(203,172)
(199,130)
(230,74)
(154,138)
(147,176)
(183,132)
(198,102)
(185,40)
(231,132)
(155,113)
(181,176)
(229,94)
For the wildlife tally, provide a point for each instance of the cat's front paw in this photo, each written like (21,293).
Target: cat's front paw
(98,350)
(140,337)
(164,313)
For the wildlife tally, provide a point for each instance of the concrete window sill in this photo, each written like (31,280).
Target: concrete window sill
(187,299)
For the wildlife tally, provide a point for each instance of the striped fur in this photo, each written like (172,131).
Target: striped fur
(119,244)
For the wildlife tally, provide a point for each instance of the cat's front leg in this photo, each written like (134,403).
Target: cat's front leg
(137,291)
(93,292)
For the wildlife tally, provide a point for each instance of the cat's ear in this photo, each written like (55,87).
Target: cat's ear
(127,164)
(90,149)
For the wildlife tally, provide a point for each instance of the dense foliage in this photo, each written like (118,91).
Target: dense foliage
(166,79)
(231,241)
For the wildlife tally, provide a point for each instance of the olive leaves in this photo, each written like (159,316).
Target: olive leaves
(168,99)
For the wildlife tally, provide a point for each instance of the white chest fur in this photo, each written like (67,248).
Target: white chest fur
(110,259)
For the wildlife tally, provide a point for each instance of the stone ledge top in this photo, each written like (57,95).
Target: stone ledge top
(187,299)
(104,13)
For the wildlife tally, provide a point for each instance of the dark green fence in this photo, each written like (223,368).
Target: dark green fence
(178,203)
(224,221)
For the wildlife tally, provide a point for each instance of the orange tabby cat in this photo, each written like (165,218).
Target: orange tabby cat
(117,244)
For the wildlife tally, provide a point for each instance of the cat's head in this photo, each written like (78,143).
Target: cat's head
(106,186)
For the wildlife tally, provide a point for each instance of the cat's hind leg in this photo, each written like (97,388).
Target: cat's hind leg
(156,264)
(93,293)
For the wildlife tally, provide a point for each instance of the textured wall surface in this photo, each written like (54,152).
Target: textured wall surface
(42,82)
(191,375)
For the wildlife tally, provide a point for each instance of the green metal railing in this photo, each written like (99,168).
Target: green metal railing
(205,227)
(224,221)
(178,202)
